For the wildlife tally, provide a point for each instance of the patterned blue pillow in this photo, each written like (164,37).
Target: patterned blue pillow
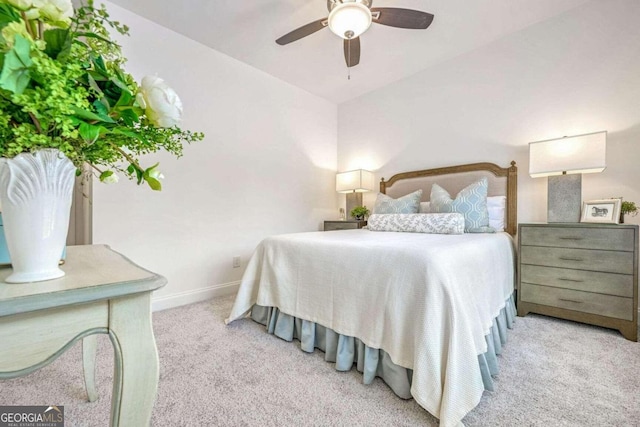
(470,202)
(408,204)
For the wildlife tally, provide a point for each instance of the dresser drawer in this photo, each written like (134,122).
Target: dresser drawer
(579,259)
(589,281)
(586,302)
(578,237)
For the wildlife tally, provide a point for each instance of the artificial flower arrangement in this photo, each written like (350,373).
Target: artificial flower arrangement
(63,86)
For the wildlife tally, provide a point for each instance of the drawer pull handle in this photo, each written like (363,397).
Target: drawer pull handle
(563,258)
(570,238)
(570,280)
(570,300)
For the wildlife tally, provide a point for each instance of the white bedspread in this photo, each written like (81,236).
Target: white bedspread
(428,300)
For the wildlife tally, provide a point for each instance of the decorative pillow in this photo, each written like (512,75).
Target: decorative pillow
(470,202)
(438,223)
(408,204)
(496,205)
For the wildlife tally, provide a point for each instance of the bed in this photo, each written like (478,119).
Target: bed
(427,313)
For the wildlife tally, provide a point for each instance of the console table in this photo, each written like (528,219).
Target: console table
(102,293)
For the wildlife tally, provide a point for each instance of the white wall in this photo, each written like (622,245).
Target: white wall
(266,166)
(576,73)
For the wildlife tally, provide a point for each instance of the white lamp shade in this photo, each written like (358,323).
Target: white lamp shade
(358,181)
(347,18)
(575,154)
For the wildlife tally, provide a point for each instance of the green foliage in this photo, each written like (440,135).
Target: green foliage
(16,74)
(629,208)
(8,14)
(63,86)
(57,42)
(359,212)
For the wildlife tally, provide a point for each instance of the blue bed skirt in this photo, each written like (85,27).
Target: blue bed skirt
(347,351)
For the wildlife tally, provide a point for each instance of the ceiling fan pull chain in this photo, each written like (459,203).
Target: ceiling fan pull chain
(349,55)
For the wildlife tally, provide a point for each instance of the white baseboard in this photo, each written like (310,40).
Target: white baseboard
(194,295)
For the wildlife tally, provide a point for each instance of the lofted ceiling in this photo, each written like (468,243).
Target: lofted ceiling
(247,29)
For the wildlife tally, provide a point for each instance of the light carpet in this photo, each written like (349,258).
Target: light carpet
(552,373)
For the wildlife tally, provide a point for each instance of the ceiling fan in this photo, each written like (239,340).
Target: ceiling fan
(348,19)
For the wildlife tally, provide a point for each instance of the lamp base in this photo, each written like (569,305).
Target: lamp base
(353,200)
(564,198)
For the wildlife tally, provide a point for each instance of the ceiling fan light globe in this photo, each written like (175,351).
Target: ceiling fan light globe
(349,20)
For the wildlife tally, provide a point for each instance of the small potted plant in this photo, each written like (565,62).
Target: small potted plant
(628,208)
(359,212)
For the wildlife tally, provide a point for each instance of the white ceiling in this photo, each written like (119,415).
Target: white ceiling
(247,30)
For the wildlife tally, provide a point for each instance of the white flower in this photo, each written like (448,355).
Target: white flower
(33,13)
(31,8)
(56,11)
(21,4)
(161,103)
(111,179)
(108,177)
(155,173)
(10,30)
(153,177)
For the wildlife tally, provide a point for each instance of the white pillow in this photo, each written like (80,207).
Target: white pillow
(496,205)
(433,223)
(425,207)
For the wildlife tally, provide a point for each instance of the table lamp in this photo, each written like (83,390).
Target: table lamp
(563,161)
(354,183)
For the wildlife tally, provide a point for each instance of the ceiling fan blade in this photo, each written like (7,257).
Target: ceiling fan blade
(352,52)
(303,31)
(403,18)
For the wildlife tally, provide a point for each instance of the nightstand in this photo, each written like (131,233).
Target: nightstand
(583,272)
(102,293)
(351,224)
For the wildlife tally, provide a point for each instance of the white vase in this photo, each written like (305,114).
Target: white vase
(35,192)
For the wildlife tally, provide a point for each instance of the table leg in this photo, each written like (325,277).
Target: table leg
(136,363)
(89,350)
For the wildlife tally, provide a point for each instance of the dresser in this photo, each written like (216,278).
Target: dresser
(582,272)
(344,225)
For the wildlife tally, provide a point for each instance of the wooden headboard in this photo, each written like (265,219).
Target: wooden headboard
(502,182)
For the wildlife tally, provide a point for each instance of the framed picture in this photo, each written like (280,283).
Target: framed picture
(606,211)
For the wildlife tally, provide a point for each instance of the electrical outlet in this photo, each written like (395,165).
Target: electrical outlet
(236,261)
